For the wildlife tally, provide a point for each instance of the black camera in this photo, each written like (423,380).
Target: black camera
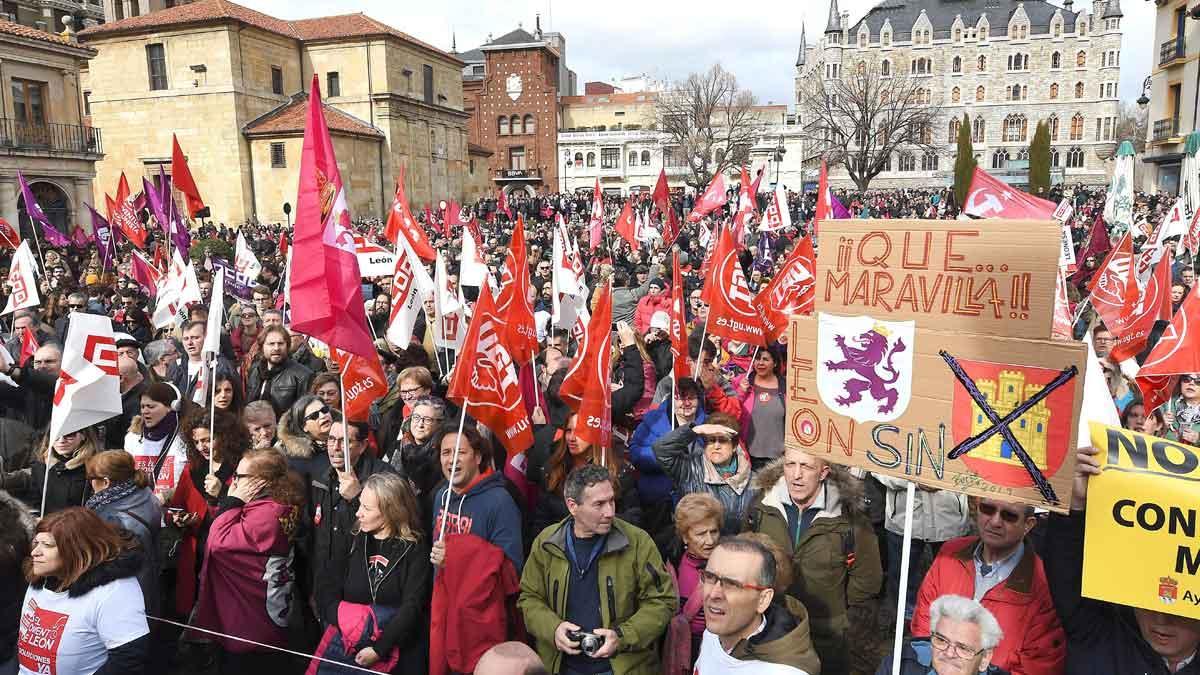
(589,643)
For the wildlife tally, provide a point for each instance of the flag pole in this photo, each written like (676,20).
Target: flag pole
(462,419)
(905,564)
(45,480)
(345,420)
(212,412)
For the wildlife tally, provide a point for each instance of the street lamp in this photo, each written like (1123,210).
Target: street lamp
(1144,99)
(780,151)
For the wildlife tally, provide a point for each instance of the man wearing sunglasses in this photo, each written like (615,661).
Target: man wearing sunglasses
(962,641)
(748,627)
(1000,570)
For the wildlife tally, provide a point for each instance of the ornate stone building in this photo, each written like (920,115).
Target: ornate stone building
(54,16)
(1008,64)
(232,84)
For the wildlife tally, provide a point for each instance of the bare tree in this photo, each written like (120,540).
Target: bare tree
(710,123)
(1132,124)
(862,118)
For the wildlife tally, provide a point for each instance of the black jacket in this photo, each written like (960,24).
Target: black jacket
(333,516)
(29,403)
(281,386)
(633,382)
(1102,638)
(422,465)
(16,531)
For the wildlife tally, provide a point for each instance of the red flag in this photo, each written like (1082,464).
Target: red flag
(362,380)
(1107,287)
(757,181)
(513,301)
(792,291)
(160,258)
(596,224)
(731,311)
(627,226)
(283,245)
(143,272)
(679,345)
(181,177)
(125,216)
(745,210)
(1097,245)
(326,290)
(1178,350)
(502,204)
(401,222)
(1156,390)
(662,200)
(710,200)
(484,381)
(1141,310)
(9,236)
(988,197)
(824,209)
(29,345)
(1061,328)
(586,389)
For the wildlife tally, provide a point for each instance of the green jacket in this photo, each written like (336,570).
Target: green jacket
(836,561)
(637,596)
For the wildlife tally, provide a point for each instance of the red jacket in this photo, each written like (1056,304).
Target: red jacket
(192,499)
(1034,642)
(647,306)
(471,610)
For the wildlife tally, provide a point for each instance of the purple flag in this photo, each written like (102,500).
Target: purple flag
(80,239)
(236,283)
(102,232)
(52,235)
(154,201)
(174,226)
(839,211)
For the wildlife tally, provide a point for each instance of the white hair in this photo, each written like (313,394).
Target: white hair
(958,608)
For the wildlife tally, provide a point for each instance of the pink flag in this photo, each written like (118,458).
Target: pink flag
(144,273)
(710,200)
(326,291)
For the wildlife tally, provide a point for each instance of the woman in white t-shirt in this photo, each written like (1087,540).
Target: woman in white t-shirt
(83,613)
(154,441)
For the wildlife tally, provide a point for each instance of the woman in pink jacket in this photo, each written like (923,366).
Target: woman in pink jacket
(760,392)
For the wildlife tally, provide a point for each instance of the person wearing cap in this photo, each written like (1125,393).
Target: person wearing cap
(657,300)
(709,458)
(154,440)
(658,344)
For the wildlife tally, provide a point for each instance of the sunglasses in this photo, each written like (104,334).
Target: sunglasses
(1010,517)
(316,414)
(72,306)
(1189,379)
(709,440)
(709,579)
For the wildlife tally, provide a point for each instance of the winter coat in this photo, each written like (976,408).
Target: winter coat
(653,485)
(1034,642)
(423,467)
(471,608)
(625,301)
(648,306)
(140,514)
(916,658)
(1104,638)
(131,404)
(16,531)
(784,645)
(68,484)
(637,597)
(937,516)
(551,507)
(836,561)
(681,455)
(29,402)
(332,515)
(304,456)
(485,510)
(280,387)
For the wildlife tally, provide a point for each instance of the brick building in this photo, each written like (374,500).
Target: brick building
(512,86)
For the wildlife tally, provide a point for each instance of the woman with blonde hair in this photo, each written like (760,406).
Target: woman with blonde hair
(698,519)
(58,472)
(375,595)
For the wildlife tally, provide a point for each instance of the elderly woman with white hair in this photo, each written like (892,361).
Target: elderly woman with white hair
(962,635)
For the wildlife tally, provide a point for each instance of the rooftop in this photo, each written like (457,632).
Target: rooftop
(18,30)
(290,118)
(942,13)
(619,97)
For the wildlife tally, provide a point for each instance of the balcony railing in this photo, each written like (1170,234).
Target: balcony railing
(1164,129)
(74,138)
(517,174)
(1171,50)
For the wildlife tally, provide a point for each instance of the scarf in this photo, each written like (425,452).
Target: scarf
(110,494)
(165,427)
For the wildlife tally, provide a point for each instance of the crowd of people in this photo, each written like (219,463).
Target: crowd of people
(232,519)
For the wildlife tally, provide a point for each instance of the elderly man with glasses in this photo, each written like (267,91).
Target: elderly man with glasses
(962,641)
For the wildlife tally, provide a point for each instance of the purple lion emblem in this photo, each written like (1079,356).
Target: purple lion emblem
(865,362)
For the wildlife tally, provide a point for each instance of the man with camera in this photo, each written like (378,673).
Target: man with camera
(594,591)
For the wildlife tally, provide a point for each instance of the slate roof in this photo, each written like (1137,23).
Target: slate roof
(516,37)
(941,13)
(290,118)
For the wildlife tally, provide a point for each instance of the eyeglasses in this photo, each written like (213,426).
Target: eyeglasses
(411,392)
(243,475)
(421,419)
(709,579)
(989,510)
(944,644)
(74,306)
(316,414)
(1189,379)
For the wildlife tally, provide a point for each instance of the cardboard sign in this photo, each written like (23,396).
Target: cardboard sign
(1141,547)
(900,400)
(988,277)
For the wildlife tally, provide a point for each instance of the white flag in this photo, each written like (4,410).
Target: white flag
(89,388)
(244,260)
(1174,224)
(373,260)
(562,268)
(216,308)
(23,281)
(410,286)
(777,214)
(449,326)
(1098,404)
(472,269)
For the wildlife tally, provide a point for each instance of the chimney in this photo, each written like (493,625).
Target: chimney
(537,31)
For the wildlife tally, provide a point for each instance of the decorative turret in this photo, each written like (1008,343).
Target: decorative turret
(801,58)
(1112,10)
(834,25)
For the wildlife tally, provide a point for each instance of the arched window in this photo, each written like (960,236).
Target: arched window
(862,39)
(503,131)
(955,95)
(955,125)
(578,159)
(929,161)
(908,162)
(1075,158)
(1054,91)
(999,159)
(980,93)
(633,158)
(516,124)
(1016,127)
(886,37)
(591,159)
(1078,90)
(956,64)
(1057,29)
(981,63)
(1052,125)
(978,130)
(885,68)
(1023,155)
(1056,60)
(1055,158)
(1081,59)
(530,124)
(645,158)
(1077,127)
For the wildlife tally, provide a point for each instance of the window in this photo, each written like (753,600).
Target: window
(1054,91)
(427,82)
(978,130)
(1057,29)
(645,158)
(862,40)
(980,93)
(29,101)
(981,63)
(833,71)
(921,96)
(633,158)
(999,159)
(1016,92)
(908,162)
(921,66)
(955,95)
(1016,128)
(1077,127)
(1056,60)
(156,66)
(578,159)
(1108,130)
(1055,158)
(955,125)
(673,157)
(278,156)
(1018,62)
(333,84)
(1078,90)
(958,35)
(277,80)
(503,126)
(1053,127)
(929,161)
(925,133)
(530,124)
(516,158)
(1081,59)
(956,64)
(1075,158)
(515,123)
(1023,155)
(885,68)
(591,159)
(886,37)
(87,103)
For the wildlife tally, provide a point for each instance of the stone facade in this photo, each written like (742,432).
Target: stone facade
(43,129)
(1172,94)
(55,16)
(229,88)
(1007,64)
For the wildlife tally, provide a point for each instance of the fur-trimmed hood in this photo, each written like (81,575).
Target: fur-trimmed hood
(293,446)
(847,489)
(21,512)
(127,564)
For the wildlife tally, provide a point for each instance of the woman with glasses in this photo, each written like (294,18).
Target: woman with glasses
(374,595)
(412,384)
(244,335)
(1182,413)
(247,579)
(327,387)
(58,471)
(710,458)
(303,435)
(122,496)
(417,458)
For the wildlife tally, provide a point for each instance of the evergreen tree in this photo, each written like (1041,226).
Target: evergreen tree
(1039,161)
(964,165)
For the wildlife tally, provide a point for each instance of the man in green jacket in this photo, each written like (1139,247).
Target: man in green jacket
(813,510)
(595,574)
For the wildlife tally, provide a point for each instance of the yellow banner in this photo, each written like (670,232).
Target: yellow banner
(1143,516)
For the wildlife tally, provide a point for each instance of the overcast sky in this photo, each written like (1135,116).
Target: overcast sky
(666,38)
